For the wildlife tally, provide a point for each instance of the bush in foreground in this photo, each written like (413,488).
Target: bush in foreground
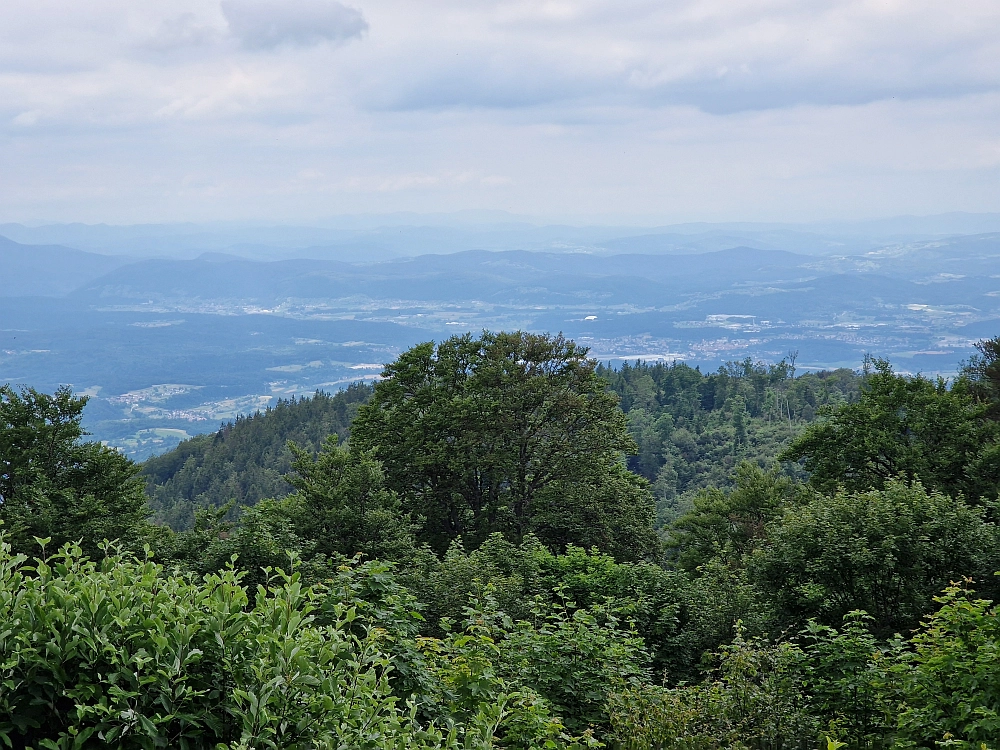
(118,653)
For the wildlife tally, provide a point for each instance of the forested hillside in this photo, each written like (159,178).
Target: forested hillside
(476,568)
(247,460)
(691,431)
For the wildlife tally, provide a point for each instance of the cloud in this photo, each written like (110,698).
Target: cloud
(179,32)
(112,109)
(721,56)
(27,119)
(267,24)
(418,181)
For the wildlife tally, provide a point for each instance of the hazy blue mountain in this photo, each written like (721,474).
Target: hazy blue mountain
(366,238)
(49,270)
(209,277)
(510,277)
(170,347)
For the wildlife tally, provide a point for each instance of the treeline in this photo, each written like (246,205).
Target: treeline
(511,589)
(692,429)
(247,460)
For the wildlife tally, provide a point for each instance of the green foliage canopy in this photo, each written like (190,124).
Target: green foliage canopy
(694,429)
(123,654)
(508,432)
(340,508)
(887,552)
(951,678)
(526,638)
(732,524)
(908,427)
(982,373)
(55,485)
(247,460)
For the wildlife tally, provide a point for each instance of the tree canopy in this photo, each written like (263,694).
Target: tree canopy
(789,612)
(910,427)
(982,373)
(887,552)
(247,460)
(508,432)
(56,486)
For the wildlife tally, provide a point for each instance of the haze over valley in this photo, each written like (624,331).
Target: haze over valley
(173,329)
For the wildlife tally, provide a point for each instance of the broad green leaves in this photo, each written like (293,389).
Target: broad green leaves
(512,433)
(123,654)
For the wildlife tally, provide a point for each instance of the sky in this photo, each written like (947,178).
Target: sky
(129,111)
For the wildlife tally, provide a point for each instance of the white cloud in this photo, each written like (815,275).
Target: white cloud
(27,119)
(115,110)
(266,24)
(718,55)
(185,30)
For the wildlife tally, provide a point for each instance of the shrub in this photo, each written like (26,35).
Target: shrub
(119,653)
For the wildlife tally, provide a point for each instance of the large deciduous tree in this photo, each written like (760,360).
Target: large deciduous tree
(909,427)
(509,432)
(888,552)
(55,485)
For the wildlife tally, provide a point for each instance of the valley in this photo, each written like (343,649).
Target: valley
(197,341)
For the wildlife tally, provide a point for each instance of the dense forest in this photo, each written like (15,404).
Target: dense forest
(516,548)
(247,460)
(691,431)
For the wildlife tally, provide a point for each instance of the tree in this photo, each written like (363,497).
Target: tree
(509,432)
(731,525)
(887,552)
(341,505)
(982,372)
(340,509)
(54,485)
(248,459)
(903,426)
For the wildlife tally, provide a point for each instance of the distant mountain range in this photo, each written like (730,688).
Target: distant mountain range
(368,238)
(50,270)
(171,346)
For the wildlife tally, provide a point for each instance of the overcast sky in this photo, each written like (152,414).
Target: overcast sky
(584,110)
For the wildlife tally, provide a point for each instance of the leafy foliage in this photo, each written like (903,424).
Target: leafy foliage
(908,427)
(851,678)
(731,525)
(693,429)
(119,653)
(982,373)
(55,485)
(339,509)
(951,679)
(887,552)
(574,657)
(341,504)
(522,581)
(784,616)
(754,700)
(683,422)
(508,432)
